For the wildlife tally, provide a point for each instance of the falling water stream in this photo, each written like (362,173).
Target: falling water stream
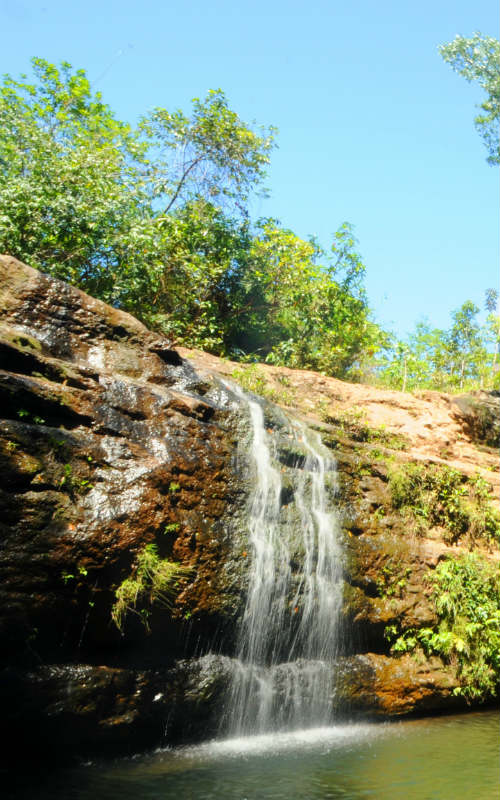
(283,676)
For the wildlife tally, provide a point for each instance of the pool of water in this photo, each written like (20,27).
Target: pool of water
(445,758)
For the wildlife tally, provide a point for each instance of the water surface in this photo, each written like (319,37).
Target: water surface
(446,758)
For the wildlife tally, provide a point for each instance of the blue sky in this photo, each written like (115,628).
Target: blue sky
(374,128)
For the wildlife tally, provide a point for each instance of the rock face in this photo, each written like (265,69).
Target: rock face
(481,418)
(381,686)
(111,441)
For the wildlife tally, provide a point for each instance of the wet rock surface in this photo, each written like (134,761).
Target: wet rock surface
(105,711)
(388,558)
(381,686)
(110,441)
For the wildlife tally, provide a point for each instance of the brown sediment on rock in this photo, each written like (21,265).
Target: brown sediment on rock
(383,686)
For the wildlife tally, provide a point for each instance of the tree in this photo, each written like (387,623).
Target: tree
(212,155)
(447,360)
(190,289)
(478,59)
(300,312)
(418,363)
(71,197)
(84,197)
(156,221)
(465,345)
(492,332)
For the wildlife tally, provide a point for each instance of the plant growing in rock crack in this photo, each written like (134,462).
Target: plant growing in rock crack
(22,413)
(154,581)
(73,485)
(466,596)
(392,579)
(68,576)
(172,527)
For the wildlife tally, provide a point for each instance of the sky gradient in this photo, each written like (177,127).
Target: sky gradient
(374,128)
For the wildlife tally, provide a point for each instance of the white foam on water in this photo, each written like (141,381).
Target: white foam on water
(323,739)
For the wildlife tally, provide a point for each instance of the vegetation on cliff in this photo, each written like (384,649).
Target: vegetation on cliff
(466,596)
(155,581)
(156,221)
(439,496)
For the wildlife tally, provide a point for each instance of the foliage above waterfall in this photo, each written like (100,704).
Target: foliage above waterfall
(157,221)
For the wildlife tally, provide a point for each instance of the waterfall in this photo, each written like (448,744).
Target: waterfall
(283,675)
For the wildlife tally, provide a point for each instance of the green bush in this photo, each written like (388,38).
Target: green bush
(466,595)
(253,379)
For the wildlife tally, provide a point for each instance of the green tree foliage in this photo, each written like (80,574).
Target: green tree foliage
(478,59)
(212,154)
(316,315)
(465,349)
(492,335)
(188,290)
(156,221)
(460,358)
(66,171)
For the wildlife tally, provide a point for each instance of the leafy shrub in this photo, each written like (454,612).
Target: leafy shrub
(466,595)
(253,379)
(352,423)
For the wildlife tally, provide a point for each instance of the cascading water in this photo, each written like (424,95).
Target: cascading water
(283,676)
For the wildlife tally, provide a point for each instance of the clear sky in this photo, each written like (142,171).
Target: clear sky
(374,128)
